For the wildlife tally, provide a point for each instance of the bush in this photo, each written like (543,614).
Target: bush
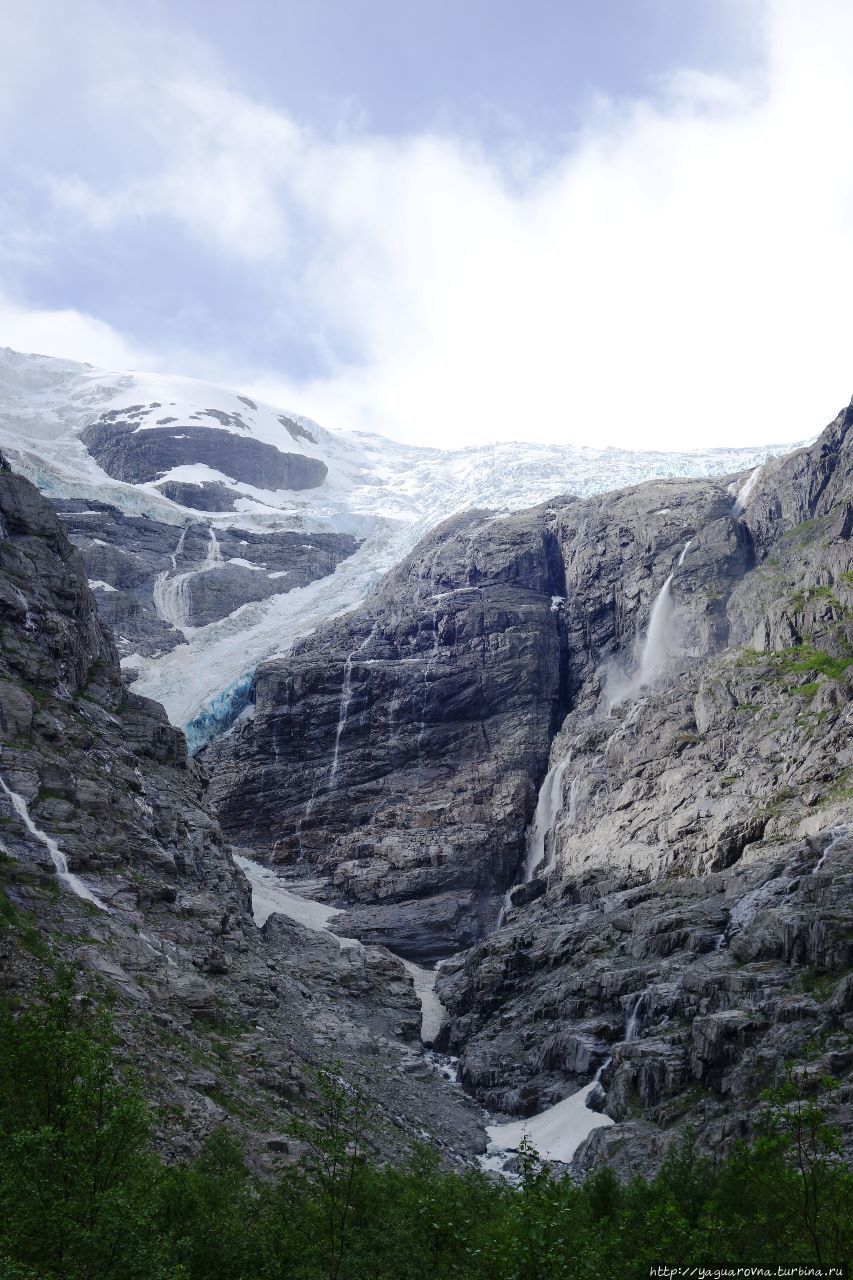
(82,1198)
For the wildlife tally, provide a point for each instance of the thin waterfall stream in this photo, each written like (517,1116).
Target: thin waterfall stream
(60,862)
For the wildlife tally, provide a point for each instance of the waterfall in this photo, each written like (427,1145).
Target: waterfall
(431,660)
(60,862)
(838,834)
(179,548)
(654,653)
(506,904)
(740,501)
(346,699)
(172,598)
(171,595)
(214,555)
(634,1020)
(548,806)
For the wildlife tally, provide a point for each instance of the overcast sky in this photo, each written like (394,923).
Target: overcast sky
(451,221)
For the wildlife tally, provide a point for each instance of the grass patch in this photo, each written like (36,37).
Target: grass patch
(819,984)
(806,530)
(805,659)
(801,598)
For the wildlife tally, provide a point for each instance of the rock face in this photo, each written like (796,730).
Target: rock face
(401,748)
(679,658)
(111,862)
(151,579)
(693,928)
(396,749)
(137,456)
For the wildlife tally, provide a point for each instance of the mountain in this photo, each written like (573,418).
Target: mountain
(112,864)
(217,530)
(637,710)
(591,754)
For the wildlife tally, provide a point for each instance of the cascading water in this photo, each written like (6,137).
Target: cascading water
(346,699)
(214,554)
(172,595)
(548,806)
(343,713)
(431,660)
(838,834)
(739,504)
(179,549)
(655,651)
(74,883)
(634,1019)
(172,598)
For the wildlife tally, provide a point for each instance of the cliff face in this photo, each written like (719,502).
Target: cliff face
(152,580)
(691,928)
(401,748)
(679,658)
(111,862)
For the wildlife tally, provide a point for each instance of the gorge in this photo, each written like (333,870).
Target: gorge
(569,779)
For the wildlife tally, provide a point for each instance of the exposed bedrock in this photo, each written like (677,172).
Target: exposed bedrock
(690,695)
(139,456)
(112,865)
(693,923)
(209,496)
(151,579)
(401,748)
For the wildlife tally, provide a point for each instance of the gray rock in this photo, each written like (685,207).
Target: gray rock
(138,457)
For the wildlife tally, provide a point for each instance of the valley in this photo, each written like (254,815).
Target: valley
(532,809)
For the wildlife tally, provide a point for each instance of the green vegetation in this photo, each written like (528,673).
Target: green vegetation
(807,530)
(801,659)
(800,598)
(819,983)
(82,1196)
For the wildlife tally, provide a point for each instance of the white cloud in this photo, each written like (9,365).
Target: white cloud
(69,334)
(681,276)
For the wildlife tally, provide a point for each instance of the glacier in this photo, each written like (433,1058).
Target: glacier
(387,494)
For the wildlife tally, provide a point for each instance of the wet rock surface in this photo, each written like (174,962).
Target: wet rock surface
(151,579)
(673,660)
(401,748)
(687,655)
(225,1019)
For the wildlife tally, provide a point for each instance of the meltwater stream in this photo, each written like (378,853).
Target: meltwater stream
(270,895)
(60,862)
(548,806)
(171,594)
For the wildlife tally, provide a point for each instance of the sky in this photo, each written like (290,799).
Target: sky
(623,222)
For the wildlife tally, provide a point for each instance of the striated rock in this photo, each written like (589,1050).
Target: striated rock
(113,865)
(152,579)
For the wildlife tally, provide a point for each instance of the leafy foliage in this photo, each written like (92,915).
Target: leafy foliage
(82,1197)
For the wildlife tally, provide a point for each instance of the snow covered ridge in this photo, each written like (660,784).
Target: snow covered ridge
(171,446)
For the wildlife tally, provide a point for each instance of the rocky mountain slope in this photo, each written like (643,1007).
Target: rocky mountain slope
(217,530)
(637,708)
(111,862)
(594,755)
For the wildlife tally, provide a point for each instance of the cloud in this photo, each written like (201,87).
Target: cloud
(69,334)
(678,276)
